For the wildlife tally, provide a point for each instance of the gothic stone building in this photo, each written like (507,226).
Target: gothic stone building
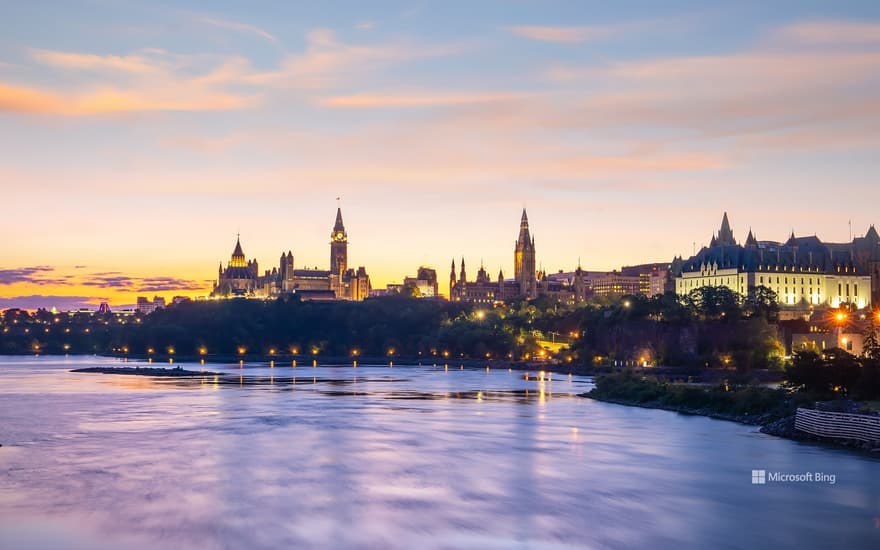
(803,271)
(242,278)
(527,281)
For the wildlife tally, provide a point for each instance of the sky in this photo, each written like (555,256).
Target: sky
(138,138)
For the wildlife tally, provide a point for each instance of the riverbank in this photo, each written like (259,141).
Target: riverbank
(771,409)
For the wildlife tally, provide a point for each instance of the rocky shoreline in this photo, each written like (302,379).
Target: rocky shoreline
(779,427)
(749,419)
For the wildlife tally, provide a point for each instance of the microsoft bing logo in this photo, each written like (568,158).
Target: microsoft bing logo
(759,477)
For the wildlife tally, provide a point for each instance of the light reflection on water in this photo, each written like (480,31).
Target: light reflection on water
(404,457)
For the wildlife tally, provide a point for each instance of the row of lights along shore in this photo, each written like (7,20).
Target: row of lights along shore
(242,351)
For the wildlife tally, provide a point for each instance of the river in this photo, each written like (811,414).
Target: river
(397,457)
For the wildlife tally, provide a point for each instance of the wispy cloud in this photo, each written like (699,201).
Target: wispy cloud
(770,87)
(150,80)
(420,99)
(238,26)
(117,281)
(20,99)
(829,32)
(565,34)
(328,62)
(137,64)
(39,275)
(156,80)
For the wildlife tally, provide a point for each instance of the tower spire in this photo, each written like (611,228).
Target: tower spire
(338,246)
(524,258)
(238,259)
(725,235)
(338,226)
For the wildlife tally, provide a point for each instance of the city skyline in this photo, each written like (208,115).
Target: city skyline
(141,138)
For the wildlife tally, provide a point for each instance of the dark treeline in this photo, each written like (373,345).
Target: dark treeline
(388,326)
(398,326)
(711,327)
(835,373)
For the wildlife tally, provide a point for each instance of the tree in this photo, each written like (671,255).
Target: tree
(807,372)
(832,372)
(715,302)
(764,302)
(871,343)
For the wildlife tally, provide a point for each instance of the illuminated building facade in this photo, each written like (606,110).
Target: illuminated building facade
(527,281)
(242,278)
(524,272)
(654,278)
(803,271)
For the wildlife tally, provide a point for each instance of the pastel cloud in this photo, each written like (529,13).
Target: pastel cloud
(830,32)
(137,64)
(116,280)
(238,26)
(39,275)
(53,276)
(20,99)
(155,80)
(328,62)
(418,99)
(563,34)
(151,80)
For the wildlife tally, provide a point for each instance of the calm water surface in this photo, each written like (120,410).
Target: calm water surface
(405,457)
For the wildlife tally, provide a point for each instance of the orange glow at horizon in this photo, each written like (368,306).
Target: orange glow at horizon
(132,159)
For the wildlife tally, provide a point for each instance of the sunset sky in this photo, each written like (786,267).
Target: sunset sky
(139,137)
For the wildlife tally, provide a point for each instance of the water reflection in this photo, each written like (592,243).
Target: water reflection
(424,457)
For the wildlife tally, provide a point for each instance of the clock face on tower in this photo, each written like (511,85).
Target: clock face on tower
(339,236)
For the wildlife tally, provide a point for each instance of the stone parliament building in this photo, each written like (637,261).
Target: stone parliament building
(242,278)
(527,281)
